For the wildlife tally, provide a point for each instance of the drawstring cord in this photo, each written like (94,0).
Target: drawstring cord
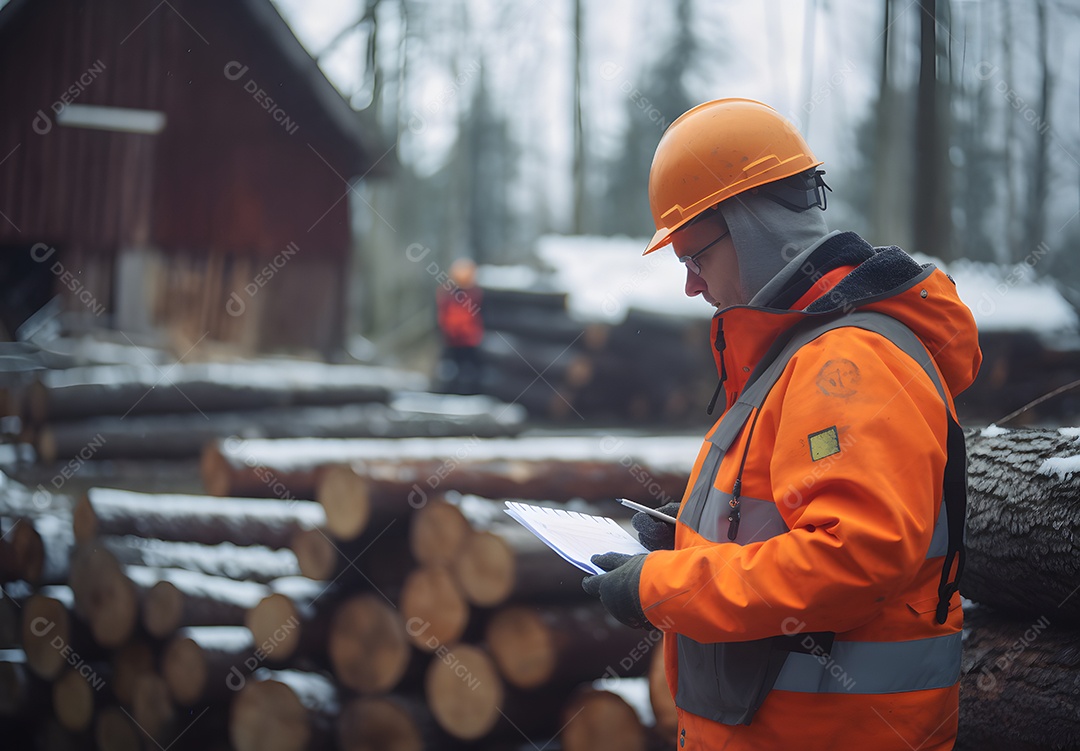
(736,513)
(719,345)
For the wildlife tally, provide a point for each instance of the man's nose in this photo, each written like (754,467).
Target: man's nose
(695,285)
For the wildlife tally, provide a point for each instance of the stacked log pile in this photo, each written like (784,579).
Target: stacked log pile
(365,621)
(114,412)
(563,369)
(376,617)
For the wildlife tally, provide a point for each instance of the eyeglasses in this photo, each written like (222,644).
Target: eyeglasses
(691,261)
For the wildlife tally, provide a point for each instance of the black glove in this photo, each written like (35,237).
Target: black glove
(618,589)
(653,533)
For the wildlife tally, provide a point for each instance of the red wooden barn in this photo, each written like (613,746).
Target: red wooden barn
(179,165)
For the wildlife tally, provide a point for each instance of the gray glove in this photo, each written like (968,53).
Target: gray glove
(618,589)
(653,533)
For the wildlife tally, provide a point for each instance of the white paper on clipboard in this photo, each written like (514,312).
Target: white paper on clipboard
(576,537)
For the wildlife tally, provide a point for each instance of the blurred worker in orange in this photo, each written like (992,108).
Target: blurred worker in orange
(808,592)
(462,327)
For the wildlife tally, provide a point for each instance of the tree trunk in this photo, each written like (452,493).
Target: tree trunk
(387,723)
(49,630)
(186,598)
(105,598)
(1020,683)
(114,730)
(437,532)
(192,518)
(372,561)
(293,619)
(185,435)
(596,720)
(273,468)
(1023,541)
(433,607)
(12,597)
(931,199)
(42,549)
(564,645)
(285,710)
(153,709)
(123,390)
(351,494)
(254,563)
(73,701)
(368,647)
(128,663)
(508,563)
(469,701)
(208,663)
(354,502)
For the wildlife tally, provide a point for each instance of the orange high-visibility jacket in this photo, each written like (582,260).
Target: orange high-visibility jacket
(459,316)
(841,471)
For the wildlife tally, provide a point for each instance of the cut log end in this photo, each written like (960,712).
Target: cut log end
(437,532)
(114,731)
(215,471)
(45,445)
(368,646)
(128,663)
(45,619)
(73,700)
(275,619)
(522,647)
(152,707)
(600,721)
(184,670)
(345,497)
(316,555)
(84,520)
(485,570)
(377,725)
(29,552)
(464,692)
(435,611)
(270,713)
(163,607)
(104,596)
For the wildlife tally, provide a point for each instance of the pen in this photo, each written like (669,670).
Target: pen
(646,510)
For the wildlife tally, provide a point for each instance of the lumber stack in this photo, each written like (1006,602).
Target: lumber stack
(373,617)
(387,623)
(538,355)
(146,412)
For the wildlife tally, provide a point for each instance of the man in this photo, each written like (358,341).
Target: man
(809,600)
(462,326)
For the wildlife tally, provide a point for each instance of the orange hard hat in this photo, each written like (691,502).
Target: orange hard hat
(715,151)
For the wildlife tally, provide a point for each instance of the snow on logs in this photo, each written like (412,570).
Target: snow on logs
(143,412)
(192,518)
(212,387)
(646,467)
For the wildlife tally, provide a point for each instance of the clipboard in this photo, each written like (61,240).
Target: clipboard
(575,536)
